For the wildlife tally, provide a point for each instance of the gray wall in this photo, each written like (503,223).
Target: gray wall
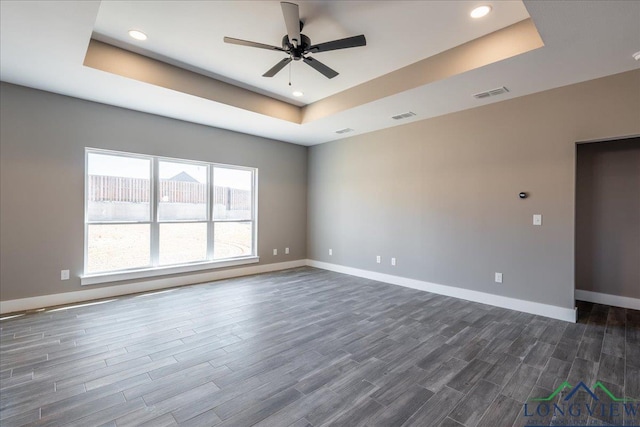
(441,195)
(42,143)
(608,218)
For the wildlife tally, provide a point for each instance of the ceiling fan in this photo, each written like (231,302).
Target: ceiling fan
(298,46)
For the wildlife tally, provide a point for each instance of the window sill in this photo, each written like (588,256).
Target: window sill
(94,279)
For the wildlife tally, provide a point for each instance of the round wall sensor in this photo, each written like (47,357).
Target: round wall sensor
(523,195)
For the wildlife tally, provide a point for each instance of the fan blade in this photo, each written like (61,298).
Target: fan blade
(276,68)
(292,21)
(231,40)
(321,68)
(354,41)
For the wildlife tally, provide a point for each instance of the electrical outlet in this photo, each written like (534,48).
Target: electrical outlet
(275,252)
(498,278)
(393,261)
(286,251)
(330,252)
(64,274)
(378,259)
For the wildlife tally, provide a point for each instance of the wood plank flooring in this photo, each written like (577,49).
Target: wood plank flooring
(304,347)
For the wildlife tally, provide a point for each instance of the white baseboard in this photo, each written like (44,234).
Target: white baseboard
(546,310)
(552,311)
(607,299)
(21,304)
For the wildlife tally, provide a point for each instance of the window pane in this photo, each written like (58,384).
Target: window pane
(117,247)
(118,188)
(232,194)
(183,191)
(232,239)
(183,242)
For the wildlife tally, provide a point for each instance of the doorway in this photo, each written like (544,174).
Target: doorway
(607,227)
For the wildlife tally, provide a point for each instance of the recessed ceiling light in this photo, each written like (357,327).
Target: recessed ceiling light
(138,35)
(636,56)
(297,93)
(480,11)
(345,130)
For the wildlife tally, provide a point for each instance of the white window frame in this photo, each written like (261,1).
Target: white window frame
(155,269)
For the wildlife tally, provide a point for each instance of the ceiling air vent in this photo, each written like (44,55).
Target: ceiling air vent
(345,130)
(403,115)
(492,92)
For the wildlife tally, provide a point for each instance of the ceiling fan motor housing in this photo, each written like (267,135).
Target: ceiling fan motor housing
(296,52)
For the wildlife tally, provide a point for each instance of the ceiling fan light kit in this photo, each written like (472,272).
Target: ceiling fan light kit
(298,46)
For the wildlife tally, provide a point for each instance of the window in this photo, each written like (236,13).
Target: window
(146,213)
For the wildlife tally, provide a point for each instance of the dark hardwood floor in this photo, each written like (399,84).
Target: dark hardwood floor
(308,347)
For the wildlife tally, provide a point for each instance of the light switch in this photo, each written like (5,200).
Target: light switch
(537,219)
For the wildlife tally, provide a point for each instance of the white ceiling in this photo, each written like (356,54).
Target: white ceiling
(42,45)
(398,33)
